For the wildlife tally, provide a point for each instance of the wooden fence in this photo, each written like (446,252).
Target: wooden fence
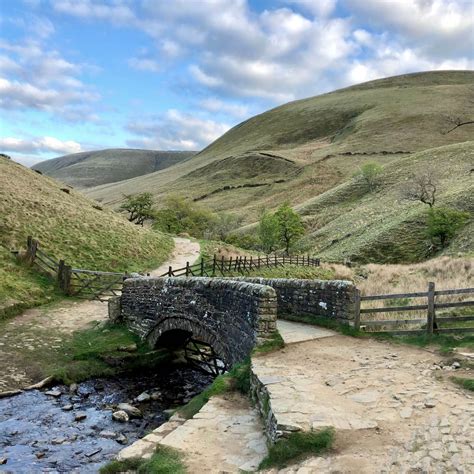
(92,284)
(431,321)
(88,284)
(241,264)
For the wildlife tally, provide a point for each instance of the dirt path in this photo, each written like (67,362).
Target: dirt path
(185,250)
(38,329)
(393,407)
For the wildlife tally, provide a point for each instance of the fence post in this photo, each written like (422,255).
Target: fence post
(245,261)
(202,266)
(250,263)
(187,268)
(32,245)
(431,308)
(230,263)
(222,265)
(170,271)
(357,310)
(214,262)
(64,277)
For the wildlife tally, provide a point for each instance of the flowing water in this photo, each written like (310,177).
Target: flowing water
(44,433)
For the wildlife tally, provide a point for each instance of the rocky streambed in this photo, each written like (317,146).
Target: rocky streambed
(81,427)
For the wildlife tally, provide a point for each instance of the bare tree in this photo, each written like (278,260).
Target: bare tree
(422,188)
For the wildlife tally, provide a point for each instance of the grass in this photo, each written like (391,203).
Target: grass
(467,384)
(238,378)
(306,152)
(291,271)
(445,343)
(68,227)
(298,446)
(93,168)
(87,353)
(165,460)
(271,344)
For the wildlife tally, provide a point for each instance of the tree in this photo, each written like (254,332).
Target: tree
(290,226)
(423,188)
(224,224)
(443,223)
(370,174)
(139,207)
(268,232)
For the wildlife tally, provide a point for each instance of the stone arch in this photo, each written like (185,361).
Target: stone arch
(197,329)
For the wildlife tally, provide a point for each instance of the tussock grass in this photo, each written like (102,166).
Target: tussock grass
(296,447)
(468,384)
(165,460)
(68,227)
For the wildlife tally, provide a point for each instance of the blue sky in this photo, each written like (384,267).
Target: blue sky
(88,74)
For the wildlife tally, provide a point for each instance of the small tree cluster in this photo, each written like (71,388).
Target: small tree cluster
(281,229)
(139,207)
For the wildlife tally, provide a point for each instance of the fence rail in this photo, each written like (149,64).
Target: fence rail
(432,320)
(240,264)
(94,284)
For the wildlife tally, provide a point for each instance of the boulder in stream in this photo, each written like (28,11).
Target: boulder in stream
(130,410)
(120,415)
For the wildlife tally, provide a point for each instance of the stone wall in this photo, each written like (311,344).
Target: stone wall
(231,316)
(332,299)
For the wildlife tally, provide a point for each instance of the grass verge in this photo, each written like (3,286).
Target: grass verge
(271,344)
(298,446)
(236,379)
(165,461)
(467,384)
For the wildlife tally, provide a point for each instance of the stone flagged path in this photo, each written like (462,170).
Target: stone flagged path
(391,413)
(297,332)
(225,436)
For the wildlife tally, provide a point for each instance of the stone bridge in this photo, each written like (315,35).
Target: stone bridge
(230,316)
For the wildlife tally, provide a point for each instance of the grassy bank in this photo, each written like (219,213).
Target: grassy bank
(164,461)
(68,226)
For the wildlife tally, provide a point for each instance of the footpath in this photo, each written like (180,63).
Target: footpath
(44,328)
(391,407)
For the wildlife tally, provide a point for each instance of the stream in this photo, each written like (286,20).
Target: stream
(64,430)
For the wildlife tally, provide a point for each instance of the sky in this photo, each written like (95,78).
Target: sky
(78,75)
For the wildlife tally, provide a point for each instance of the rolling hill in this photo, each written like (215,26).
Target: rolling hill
(306,152)
(93,168)
(68,226)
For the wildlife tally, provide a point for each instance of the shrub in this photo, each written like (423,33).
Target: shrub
(443,223)
(369,173)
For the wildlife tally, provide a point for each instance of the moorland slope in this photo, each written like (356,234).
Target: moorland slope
(306,151)
(93,168)
(69,226)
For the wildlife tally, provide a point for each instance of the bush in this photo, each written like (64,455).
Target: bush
(369,173)
(443,223)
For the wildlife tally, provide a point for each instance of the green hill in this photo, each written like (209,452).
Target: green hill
(304,151)
(92,168)
(68,226)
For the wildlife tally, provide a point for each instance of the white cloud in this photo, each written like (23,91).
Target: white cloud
(144,64)
(35,77)
(118,11)
(39,145)
(214,104)
(175,130)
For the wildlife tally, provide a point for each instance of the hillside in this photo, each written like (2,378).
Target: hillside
(68,226)
(304,149)
(93,168)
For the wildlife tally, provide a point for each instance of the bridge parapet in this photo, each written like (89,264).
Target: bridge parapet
(231,316)
(330,299)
